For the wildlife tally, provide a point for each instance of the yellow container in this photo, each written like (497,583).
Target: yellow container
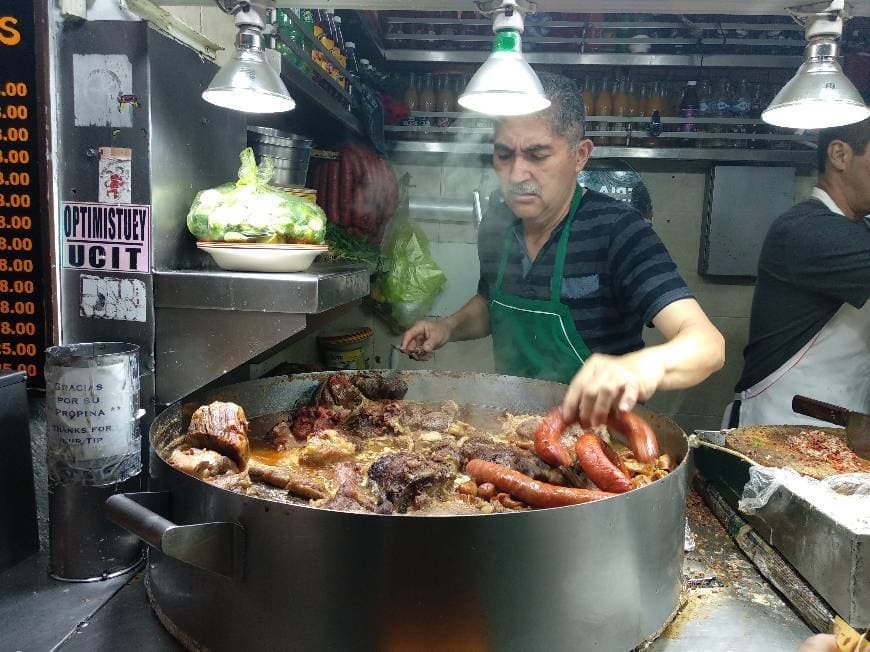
(350,349)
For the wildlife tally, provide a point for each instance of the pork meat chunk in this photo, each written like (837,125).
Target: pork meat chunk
(409,479)
(202,463)
(221,427)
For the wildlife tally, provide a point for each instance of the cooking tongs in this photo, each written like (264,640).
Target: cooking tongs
(857,424)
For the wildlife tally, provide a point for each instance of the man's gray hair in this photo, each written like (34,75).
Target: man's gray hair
(566,114)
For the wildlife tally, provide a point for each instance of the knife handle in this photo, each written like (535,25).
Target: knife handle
(820,410)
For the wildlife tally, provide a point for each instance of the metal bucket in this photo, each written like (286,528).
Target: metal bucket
(93,452)
(290,154)
(599,576)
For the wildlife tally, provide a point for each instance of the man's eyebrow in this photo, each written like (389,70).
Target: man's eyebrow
(502,147)
(536,149)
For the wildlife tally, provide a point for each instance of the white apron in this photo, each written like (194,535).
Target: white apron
(834,366)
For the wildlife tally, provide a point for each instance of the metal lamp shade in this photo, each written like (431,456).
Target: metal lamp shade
(247,83)
(817,97)
(504,85)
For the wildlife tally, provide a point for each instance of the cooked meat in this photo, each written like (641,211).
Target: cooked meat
(221,427)
(406,479)
(285,478)
(511,456)
(326,447)
(376,387)
(373,419)
(202,463)
(338,390)
(311,419)
(483,448)
(280,436)
(425,416)
(350,496)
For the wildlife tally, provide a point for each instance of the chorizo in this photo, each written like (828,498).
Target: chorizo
(531,492)
(602,465)
(638,433)
(334,200)
(548,439)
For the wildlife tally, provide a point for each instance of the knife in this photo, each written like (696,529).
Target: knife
(857,424)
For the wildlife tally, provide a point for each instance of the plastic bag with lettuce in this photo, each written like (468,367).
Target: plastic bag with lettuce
(250,210)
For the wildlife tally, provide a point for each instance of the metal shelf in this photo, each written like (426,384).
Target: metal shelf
(797,157)
(610,59)
(300,82)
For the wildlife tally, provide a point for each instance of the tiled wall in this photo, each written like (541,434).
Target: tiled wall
(677,199)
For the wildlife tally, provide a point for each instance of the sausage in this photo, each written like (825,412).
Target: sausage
(531,492)
(638,433)
(345,186)
(548,439)
(334,191)
(602,465)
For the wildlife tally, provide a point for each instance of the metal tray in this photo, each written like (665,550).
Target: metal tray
(833,559)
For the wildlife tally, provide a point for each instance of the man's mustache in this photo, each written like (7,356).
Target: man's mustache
(527,188)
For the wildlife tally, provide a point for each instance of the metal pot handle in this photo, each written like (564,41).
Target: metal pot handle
(216,547)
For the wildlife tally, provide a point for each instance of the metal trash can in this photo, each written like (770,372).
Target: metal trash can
(93,452)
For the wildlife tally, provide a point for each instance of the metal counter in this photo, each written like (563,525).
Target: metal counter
(211,321)
(729,606)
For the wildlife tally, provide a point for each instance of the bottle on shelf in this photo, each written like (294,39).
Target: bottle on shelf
(704,111)
(740,108)
(621,107)
(721,109)
(352,68)
(633,109)
(338,51)
(444,99)
(426,102)
(689,108)
(411,100)
(604,107)
(588,96)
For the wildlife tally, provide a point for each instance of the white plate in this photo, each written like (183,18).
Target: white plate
(243,259)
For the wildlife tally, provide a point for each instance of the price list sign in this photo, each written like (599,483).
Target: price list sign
(22,319)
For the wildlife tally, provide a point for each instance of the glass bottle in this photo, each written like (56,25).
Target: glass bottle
(604,107)
(444,99)
(689,108)
(621,107)
(588,96)
(703,111)
(721,109)
(411,100)
(426,94)
(740,108)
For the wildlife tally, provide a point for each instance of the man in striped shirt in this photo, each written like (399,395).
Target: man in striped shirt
(569,277)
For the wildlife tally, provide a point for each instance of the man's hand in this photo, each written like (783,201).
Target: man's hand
(424,337)
(608,384)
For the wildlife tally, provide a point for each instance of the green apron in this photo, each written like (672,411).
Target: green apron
(534,338)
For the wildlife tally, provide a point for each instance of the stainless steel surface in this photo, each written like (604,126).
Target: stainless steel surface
(734,7)
(39,613)
(85,546)
(732,232)
(215,547)
(289,152)
(271,136)
(475,203)
(797,157)
(740,611)
(18,529)
(609,59)
(834,560)
(209,323)
(373,581)
(323,286)
(441,209)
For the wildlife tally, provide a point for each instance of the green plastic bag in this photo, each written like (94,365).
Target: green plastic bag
(414,280)
(250,210)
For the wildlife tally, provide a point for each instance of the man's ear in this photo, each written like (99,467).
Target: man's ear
(584,151)
(839,155)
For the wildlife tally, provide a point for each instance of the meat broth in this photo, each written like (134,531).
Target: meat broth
(358,446)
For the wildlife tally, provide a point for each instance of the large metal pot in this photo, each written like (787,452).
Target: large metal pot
(600,576)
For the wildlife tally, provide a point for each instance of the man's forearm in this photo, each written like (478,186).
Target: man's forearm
(687,359)
(471,322)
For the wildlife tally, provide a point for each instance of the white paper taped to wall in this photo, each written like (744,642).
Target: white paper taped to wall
(99,80)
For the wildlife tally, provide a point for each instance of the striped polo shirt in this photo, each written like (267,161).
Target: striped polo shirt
(617,277)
